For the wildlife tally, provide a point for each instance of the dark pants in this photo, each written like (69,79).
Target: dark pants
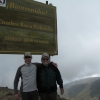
(29,95)
(48,96)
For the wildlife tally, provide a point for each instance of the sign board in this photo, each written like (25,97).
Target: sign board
(27,25)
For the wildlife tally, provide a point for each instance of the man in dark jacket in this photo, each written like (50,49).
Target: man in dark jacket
(47,77)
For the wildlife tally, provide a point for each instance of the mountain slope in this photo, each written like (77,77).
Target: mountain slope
(83,89)
(95,88)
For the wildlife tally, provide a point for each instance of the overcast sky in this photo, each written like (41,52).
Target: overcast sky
(78,23)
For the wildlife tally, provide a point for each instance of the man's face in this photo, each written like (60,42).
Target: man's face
(28,59)
(45,60)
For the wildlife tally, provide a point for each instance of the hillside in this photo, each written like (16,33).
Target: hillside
(7,94)
(83,89)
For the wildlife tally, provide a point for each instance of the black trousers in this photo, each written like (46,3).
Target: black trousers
(48,96)
(29,95)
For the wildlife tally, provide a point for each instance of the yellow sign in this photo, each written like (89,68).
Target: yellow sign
(27,25)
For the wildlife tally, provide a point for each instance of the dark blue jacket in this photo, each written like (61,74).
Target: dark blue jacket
(48,77)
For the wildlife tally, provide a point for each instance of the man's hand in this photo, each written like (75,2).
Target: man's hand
(16,96)
(55,64)
(62,91)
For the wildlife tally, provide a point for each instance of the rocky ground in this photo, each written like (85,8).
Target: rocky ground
(8,94)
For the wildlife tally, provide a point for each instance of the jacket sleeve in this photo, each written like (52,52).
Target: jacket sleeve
(16,80)
(37,64)
(59,78)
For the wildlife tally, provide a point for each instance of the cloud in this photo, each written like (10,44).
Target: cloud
(78,39)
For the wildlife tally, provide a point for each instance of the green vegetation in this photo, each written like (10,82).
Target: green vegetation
(95,88)
(74,90)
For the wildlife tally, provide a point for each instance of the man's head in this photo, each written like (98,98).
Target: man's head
(45,59)
(28,57)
